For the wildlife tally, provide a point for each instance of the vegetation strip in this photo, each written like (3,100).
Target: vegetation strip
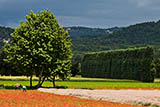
(79,82)
(132,63)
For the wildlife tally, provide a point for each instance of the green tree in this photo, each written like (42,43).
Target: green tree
(157,66)
(75,69)
(40,47)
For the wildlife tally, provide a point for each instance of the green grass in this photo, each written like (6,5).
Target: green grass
(79,82)
(107,84)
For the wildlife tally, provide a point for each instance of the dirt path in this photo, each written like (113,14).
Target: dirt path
(122,96)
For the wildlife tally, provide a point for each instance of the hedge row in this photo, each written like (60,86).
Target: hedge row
(132,63)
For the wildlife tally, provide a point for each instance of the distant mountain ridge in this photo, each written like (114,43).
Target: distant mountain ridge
(138,35)
(86,31)
(73,32)
(96,39)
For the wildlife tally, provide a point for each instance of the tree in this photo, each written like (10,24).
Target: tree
(75,69)
(40,47)
(157,66)
(6,69)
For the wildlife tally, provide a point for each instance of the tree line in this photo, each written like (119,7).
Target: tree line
(132,63)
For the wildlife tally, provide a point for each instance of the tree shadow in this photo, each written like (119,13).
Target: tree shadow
(118,81)
(30,88)
(57,87)
(14,88)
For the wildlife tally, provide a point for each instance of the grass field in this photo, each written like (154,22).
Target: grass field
(79,82)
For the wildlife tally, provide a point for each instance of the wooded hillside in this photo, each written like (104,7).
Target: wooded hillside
(95,39)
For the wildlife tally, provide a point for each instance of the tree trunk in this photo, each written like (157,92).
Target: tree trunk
(40,79)
(53,80)
(40,82)
(31,81)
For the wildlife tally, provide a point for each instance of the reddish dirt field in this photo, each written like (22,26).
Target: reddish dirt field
(18,98)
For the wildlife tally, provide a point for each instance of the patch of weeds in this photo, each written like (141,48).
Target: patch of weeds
(146,104)
(70,94)
(1,86)
(155,105)
(78,95)
(87,88)
(134,102)
(143,104)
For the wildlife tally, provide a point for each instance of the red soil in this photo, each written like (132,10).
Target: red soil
(14,98)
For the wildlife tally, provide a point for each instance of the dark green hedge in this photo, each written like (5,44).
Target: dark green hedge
(132,63)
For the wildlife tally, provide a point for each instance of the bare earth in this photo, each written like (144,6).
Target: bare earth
(122,96)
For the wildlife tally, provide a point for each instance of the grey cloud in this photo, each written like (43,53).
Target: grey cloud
(147,4)
(93,13)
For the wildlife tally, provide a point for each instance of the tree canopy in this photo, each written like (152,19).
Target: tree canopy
(40,47)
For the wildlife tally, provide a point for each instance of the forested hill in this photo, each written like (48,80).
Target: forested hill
(95,39)
(4,34)
(85,31)
(73,31)
(144,33)
(137,35)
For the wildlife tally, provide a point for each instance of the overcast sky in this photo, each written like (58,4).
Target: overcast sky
(89,13)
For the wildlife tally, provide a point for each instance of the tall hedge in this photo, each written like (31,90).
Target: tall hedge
(132,63)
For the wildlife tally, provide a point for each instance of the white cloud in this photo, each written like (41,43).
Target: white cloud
(147,4)
(144,3)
